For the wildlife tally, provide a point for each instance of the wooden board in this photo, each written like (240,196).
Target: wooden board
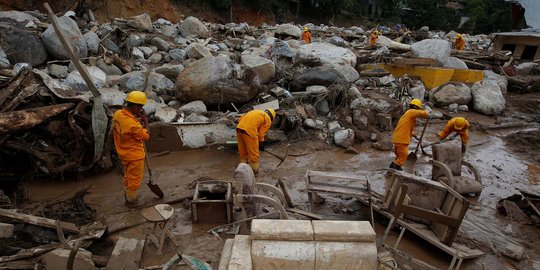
(336,175)
(126,254)
(39,221)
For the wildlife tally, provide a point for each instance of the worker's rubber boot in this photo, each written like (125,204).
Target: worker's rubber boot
(394,166)
(131,197)
(255,167)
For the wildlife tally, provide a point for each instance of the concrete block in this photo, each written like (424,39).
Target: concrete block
(6,230)
(343,231)
(241,254)
(289,230)
(267,255)
(345,256)
(226,255)
(57,259)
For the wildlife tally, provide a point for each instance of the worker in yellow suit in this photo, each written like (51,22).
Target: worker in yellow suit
(404,130)
(306,35)
(373,38)
(250,132)
(129,134)
(460,126)
(459,42)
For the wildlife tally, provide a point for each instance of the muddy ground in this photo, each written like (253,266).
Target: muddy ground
(503,166)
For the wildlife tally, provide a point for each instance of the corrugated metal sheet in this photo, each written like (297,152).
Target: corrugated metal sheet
(520,34)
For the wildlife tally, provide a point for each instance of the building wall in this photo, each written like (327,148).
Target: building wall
(520,43)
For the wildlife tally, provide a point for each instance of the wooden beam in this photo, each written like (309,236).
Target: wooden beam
(39,221)
(429,215)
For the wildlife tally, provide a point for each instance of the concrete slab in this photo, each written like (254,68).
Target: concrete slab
(241,254)
(288,230)
(345,256)
(271,255)
(226,255)
(343,231)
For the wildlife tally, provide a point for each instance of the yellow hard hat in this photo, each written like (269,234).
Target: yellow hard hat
(271,113)
(459,123)
(416,102)
(305,29)
(458,35)
(136,97)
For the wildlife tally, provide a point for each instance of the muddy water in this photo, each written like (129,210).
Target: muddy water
(502,171)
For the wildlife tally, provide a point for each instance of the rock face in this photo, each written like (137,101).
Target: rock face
(288,30)
(193,27)
(214,80)
(341,59)
(487,98)
(20,45)
(323,75)
(77,83)
(344,138)
(156,82)
(73,35)
(197,51)
(437,49)
(263,67)
(451,93)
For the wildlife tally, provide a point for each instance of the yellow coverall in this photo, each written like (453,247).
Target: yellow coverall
(250,131)
(306,37)
(403,132)
(128,135)
(373,39)
(449,128)
(459,43)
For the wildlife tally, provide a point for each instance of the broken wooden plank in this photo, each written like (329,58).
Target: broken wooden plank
(126,254)
(39,221)
(24,119)
(288,199)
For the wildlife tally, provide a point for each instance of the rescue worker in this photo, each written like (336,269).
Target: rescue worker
(306,35)
(460,126)
(459,42)
(250,132)
(129,134)
(404,130)
(373,37)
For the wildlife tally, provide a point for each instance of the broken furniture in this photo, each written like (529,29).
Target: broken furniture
(212,202)
(447,168)
(429,209)
(159,215)
(302,244)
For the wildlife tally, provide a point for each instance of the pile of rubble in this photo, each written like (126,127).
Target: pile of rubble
(196,72)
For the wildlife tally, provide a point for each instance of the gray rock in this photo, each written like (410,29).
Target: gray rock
(77,83)
(357,30)
(134,40)
(222,46)
(266,40)
(491,77)
(92,42)
(525,68)
(333,127)
(21,45)
(156,82)
(58,71)
(178,54)
(4,61)
(155,58)
(454,62)
(341,59)
(366,103)
(142,22)
(353,93)
(383,121)
(310,123)
(147,51)
(170,31)
(263,67)
(162,22)
(166,114)
(373,137)
(437,49)
(453,107)
(424,28)
(344,138)
(196,106)
(381,51)
(109,69)
(316,90)
(197,51)
(17,67)
(360,119)
(322,107)
(214,80)
(463,108)
(57,259)
(487,98)
(320,124)
(418,91)
(112,97)
(181,41)
(213,47)
(275,136)
(193,27)
(288,30)
(449,93)
(161,44)
(323,75)
(338,41)
(195,118)
(513,251)
(17,16)
(170,71)
(137,53)
(104,30)
(72,34)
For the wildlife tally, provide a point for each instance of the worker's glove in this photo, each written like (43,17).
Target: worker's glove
(463,148)
(261,146)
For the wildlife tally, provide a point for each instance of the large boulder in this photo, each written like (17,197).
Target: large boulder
(341,59)
(197,51)
(165,114)
(170,71)
(322,75)
(450,93)
(71,33)
(142,22)
(18,16)
(216,80)
(288,30)
(21,45)
(193,27)
(196,106)
(437,49)
(92,42)
(263,67)
(155,82)
(487,98)
(344,138)
(454,62)
(77,83)
(112,97)
(491,77)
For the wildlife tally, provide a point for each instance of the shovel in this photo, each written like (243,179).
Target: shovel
(153,187)
(412,156)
